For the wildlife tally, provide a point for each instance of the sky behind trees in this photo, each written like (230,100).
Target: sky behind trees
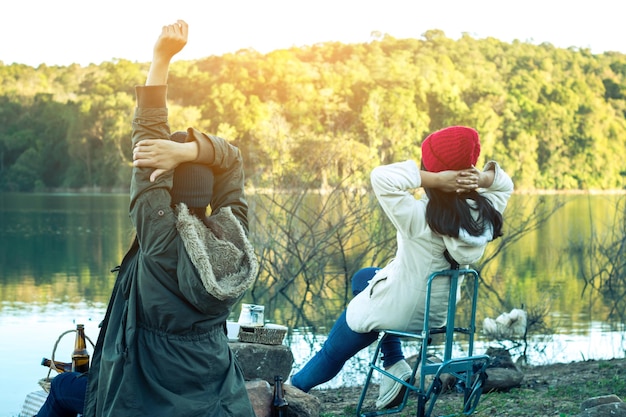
(73,31)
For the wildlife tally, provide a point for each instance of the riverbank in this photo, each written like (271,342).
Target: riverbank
(550,390)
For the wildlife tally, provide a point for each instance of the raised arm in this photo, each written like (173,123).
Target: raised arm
(150,123)
(172,40)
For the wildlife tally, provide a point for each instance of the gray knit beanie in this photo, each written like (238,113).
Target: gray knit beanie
(193,182)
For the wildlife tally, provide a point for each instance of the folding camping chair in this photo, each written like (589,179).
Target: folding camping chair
(469,369)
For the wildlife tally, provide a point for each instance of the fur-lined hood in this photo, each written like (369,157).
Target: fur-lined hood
(221,253)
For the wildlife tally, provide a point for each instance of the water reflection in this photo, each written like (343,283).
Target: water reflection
(56,248)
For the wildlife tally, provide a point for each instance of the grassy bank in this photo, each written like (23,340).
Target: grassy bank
(551,390)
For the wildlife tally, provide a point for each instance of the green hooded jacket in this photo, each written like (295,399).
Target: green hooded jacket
(162,349)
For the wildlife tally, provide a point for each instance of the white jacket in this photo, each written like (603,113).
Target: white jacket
(394,298)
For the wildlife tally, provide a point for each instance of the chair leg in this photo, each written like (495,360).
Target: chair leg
(472,394)
(421,406)
(367,382)
(427,397)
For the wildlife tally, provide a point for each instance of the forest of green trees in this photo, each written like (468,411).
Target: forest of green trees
(554,118)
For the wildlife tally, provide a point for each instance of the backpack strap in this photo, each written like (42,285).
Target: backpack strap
(453,264)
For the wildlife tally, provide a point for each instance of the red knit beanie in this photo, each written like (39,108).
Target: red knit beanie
(193,182)
(452,148)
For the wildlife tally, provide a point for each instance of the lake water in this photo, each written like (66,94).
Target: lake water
(56,252)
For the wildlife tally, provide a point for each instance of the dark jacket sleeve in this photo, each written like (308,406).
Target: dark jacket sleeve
(150,209)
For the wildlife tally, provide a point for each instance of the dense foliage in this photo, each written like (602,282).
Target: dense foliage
(555,118)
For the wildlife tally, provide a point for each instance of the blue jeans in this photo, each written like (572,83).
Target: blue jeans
(66,397)
(343,343)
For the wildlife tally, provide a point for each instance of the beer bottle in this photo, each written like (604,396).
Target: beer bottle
(80,356)
(279,404)
(59,366)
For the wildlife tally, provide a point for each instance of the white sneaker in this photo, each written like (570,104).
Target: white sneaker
(392,392)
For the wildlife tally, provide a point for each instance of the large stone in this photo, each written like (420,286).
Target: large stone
(502,373)
(301,404)
(261,395)
(502,379)
(604,410)
(264,362)
(606,405)
(260,365)
(596,401)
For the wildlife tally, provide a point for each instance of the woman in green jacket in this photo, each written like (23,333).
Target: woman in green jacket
(162,349)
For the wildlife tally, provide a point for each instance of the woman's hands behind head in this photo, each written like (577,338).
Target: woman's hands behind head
(458,181)
(467,179)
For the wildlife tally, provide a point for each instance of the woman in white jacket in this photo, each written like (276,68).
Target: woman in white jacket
(460,213)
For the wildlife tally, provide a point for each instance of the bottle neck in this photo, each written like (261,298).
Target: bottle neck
(57,365)
(80,343)
(80,356)
(279,397)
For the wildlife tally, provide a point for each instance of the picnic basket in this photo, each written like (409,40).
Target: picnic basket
(44,383)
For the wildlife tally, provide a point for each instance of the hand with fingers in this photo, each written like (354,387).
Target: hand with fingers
(172,40)
(467,179)
(163,155)
(461,181)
